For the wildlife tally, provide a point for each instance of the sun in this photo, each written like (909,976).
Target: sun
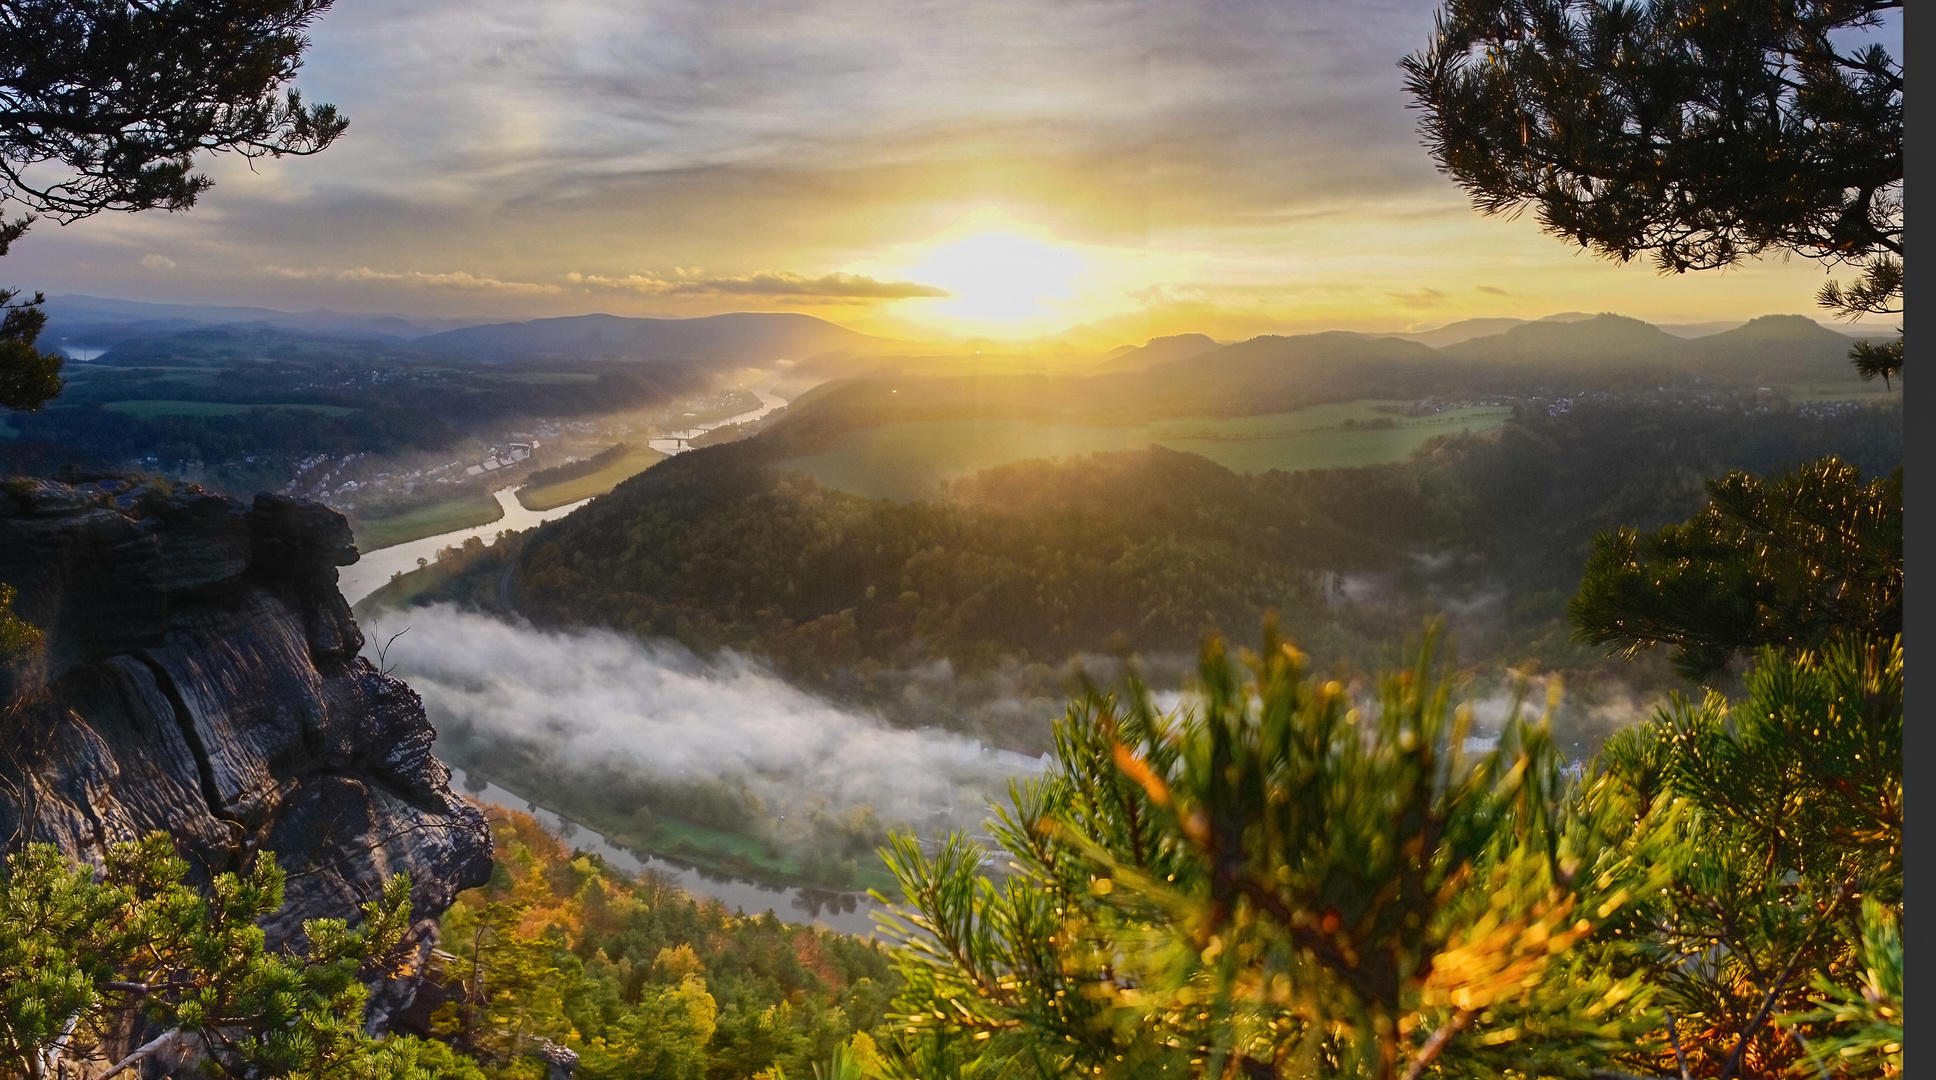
(1000,278)
(1005,277)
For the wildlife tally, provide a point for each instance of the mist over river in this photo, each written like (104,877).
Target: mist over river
(627,724)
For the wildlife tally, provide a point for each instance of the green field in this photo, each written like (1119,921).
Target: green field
(1845,391)
(144,369)
(148,410)
(633,463)
(549,378)
(909,460)
(439,517)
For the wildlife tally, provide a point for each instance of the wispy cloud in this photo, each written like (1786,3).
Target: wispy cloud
(684,283)
(1492,290)
(1419,298)
(771,283)
(457,280)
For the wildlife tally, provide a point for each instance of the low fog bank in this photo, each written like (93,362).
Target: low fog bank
(720,761)
(1012,704)
(600,704)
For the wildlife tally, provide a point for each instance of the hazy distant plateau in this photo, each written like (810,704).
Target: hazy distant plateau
(910,459)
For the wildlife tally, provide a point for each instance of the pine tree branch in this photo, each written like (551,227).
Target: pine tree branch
(1436,1045)
(1774,991)
(1674,1039)
(147,1050)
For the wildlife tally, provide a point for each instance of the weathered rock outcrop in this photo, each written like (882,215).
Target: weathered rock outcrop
(200,675)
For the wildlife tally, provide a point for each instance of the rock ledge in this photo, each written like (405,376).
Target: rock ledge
(200,675)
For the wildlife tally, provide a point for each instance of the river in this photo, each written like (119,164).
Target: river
(849,913)
(375,568)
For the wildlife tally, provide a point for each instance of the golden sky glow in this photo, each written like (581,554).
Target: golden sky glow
(1136,167)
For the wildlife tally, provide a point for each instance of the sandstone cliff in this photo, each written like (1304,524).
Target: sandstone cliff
(200,675)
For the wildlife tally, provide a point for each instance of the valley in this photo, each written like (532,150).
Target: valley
(956,556)
(871,541)
(945,549)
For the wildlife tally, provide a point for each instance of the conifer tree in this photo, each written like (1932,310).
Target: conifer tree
(1697,133)
(106,104)
(1796,561)
(87,958)
(1283,880)
(1776,946)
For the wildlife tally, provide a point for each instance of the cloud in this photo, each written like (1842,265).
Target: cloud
(773,283)
(1271,142)
(769,283)
(595,699)
(157,262)
(1419,298)
(458,280)
(752,130)
(1493,289)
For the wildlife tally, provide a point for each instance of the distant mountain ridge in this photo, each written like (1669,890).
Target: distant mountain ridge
(742,337)
(1160,350)
(1467,329)
(72,316)
(1603,341)
(1453,333)
(1771,348)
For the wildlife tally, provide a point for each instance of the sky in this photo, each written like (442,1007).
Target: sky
(1001,168)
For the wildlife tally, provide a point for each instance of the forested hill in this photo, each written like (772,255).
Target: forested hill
(727,551)
(1032,562)
(1774,349)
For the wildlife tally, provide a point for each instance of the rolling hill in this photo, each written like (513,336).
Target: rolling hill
(1272,373)
(1601,343)
(101,321)
(1770,349)
(740,338)
(1160,350)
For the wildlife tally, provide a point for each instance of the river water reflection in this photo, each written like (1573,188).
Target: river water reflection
(375,568)
(849,913)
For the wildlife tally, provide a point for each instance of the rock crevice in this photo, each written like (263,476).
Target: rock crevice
(200,675)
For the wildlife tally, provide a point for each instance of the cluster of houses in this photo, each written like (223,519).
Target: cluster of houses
(333,482)
(510,455)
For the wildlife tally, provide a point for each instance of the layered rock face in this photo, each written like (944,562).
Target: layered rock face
(200,675)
